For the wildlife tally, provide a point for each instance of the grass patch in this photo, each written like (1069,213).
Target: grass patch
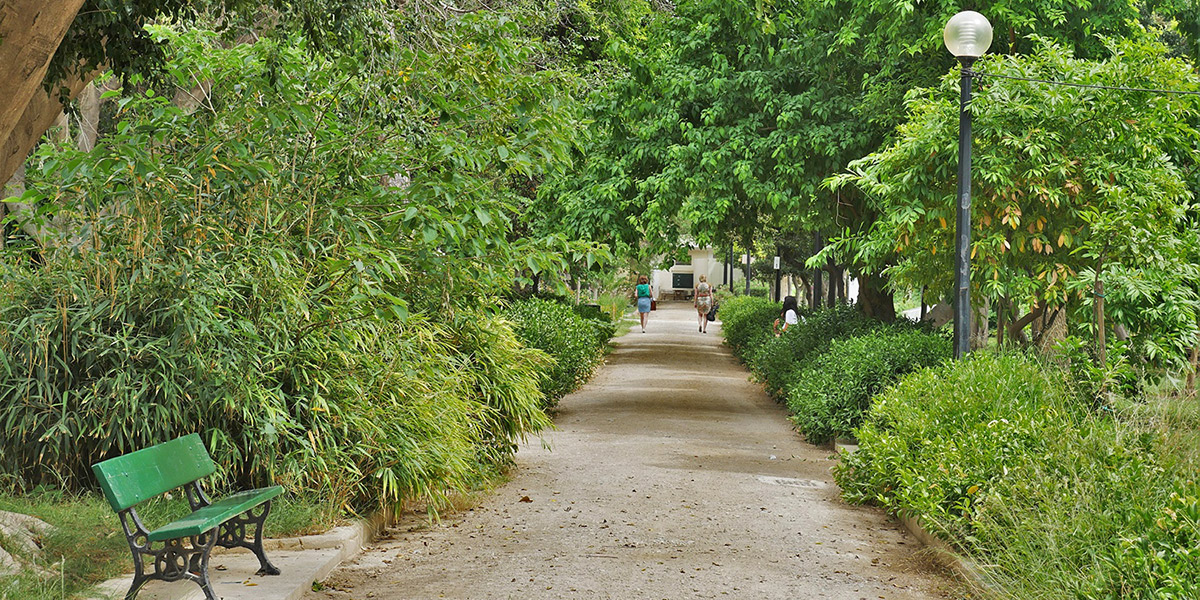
(87,546)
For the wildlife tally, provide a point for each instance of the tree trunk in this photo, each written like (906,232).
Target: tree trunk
(1001,317)
(12,192)
(1016,330)
(1098,307)
(60,131)
(32,31)
(831,293)
(818,278)
(979,325)
(939,315)
(89,116)
(1053,332)
(1190,386)
(1101,347)
(749,259)
(874,299)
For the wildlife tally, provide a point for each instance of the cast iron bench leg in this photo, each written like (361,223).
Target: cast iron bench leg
(233,532)
(233,535)
(174,561)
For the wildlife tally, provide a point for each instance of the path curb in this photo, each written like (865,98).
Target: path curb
(963,567)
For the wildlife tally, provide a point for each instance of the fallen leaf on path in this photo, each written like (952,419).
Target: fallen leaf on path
(526,499)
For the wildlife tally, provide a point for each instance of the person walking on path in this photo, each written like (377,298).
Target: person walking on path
(790,315)
(703,301)
(645,296)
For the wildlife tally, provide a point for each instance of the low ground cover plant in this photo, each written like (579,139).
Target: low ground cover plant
(830,393)
(998,456)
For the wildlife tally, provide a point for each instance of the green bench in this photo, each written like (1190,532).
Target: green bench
(180,550)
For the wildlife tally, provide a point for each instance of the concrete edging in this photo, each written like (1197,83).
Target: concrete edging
(963,567)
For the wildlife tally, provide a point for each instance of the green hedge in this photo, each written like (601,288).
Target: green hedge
(575,343)
(746,322)
(778,360)
(996,456)
(830,394)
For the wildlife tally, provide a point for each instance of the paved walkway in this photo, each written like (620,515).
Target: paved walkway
(670,476)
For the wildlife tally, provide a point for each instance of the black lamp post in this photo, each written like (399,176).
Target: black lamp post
(967,35)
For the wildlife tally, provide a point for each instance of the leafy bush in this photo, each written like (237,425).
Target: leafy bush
(775,360)
(759,290)
(245,272)
(832,392)
(934,442)
(576,344)
(355,409)
(997,456)
(746,322)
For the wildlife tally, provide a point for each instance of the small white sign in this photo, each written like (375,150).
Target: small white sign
(776,263)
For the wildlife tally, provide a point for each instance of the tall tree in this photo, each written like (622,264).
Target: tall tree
(1072,185)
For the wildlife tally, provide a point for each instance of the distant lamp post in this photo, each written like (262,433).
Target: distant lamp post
(967,35)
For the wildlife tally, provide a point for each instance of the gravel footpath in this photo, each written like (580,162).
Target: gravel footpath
(670,475)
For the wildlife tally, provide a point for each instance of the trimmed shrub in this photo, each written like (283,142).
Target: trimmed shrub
(775,360)
(746,322)
(830,394)
(576,344)
(933,442)
(998,457)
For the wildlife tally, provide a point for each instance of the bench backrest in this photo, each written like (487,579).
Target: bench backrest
(144,474)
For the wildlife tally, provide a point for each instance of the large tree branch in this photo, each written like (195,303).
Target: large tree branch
(41,111)
(32,31)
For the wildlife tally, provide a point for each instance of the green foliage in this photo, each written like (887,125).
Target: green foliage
(775,360)
(113,32)
(746,322)
(932,443)
(898,45)
(356,409)
(707,135)
(760,290)
(1058,198)
(576,343)
(833,391)
(998,457)
(302,270)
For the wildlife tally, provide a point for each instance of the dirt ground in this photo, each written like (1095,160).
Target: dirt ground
(670,475)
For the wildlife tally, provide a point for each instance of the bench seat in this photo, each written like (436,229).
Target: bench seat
(214,514)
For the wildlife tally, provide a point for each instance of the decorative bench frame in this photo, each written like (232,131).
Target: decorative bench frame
(181,549)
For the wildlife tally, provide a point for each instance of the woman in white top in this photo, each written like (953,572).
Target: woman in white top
(702,299)
(790,315)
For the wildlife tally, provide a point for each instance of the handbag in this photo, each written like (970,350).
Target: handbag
(712,312)
(653,304)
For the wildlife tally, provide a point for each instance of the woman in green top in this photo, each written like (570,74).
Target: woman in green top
(644,297)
